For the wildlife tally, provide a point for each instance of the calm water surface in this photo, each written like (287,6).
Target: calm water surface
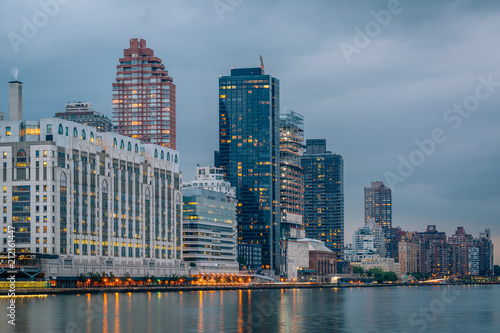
(391,309)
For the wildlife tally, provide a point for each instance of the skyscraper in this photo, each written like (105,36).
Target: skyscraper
(292,175)
(324,195)
(144,97)
(294,255)
(378,205)
(249,156)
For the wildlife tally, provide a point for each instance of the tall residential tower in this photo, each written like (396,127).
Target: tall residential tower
(249,156)
(378,205)
(324,195)
(292,175)
(144,97)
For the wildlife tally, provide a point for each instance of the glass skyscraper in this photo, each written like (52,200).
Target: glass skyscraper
(249,155)
(324,195)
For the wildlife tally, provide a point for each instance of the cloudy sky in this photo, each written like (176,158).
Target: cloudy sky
(372,78)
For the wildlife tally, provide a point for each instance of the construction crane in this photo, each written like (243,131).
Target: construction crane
(262,65)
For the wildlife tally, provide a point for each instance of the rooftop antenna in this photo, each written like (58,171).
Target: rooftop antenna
(262,65)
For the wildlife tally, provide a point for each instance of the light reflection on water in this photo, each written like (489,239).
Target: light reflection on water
(395,309)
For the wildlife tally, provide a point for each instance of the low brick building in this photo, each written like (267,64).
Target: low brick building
(322,261)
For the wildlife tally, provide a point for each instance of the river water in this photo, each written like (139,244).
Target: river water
(388,309)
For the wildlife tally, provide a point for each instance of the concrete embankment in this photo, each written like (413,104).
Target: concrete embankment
(96,290)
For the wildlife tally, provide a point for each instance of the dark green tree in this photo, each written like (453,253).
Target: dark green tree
(358,270)
(496,270)
(390,276)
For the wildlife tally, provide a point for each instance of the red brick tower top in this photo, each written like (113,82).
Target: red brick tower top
(144,97)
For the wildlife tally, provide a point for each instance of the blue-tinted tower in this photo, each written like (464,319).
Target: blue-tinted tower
(249,155)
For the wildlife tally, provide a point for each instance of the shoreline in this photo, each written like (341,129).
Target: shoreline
(102,290)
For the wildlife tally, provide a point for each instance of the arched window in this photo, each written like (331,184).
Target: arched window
(75,132)
(148,195)
(129,147)
(64,181)
(156,153)
(122,145)
(84,136)
(175,159)
(168,156)
(91,136)
(162,155)
(60,130)
(21,153)
(114,142)
(136,149)
(104,186)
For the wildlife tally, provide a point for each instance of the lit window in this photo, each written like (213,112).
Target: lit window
(7,131)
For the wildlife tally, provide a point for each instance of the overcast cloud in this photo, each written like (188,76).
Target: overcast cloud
(370,107)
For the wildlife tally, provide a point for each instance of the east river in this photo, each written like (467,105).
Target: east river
(385,309)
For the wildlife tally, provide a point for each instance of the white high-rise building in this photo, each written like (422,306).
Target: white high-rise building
(209,223)
(97,202)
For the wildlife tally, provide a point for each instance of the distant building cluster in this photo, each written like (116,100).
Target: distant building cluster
(431,253)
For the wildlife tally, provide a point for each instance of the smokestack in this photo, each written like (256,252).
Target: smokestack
(15,100)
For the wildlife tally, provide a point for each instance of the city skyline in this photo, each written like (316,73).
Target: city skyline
(346,110)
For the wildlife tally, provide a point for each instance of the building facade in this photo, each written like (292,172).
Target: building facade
(97,201)
(324,195)
(485,245)
(458,252)
(293,254)
(385,264)
(408,255)
(84,113)
(250,256)
(249,156)
(322,261)
(211,178)
(369,238)
(144,97)
(433,257)
(292,175)
(378,205)
(209,231)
